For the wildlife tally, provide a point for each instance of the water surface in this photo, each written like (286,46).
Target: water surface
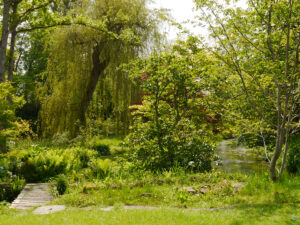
(238,159)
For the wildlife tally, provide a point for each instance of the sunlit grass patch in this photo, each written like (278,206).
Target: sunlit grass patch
(268,215)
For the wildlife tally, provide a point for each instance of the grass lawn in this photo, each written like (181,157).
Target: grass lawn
(263,214)
(211,190)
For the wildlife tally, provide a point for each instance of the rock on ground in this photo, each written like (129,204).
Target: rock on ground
(49,209)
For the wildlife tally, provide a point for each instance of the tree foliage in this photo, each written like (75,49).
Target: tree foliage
(9,102)
(176,123)
(260,45)
(82,57)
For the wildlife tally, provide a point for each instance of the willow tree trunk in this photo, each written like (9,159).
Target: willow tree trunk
(4,39)
(98,70)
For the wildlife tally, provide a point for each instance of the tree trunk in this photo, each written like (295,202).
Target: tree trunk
(13,31)
(3,148)
(11,56)
(98,69)
(287,135)
(278,149)
(284,157)
(3,49)
(4,39)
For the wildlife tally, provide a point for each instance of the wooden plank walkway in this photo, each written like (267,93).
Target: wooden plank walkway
(33,195)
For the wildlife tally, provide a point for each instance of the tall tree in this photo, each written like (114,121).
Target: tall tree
(116,32)
(260,45)
(20,16)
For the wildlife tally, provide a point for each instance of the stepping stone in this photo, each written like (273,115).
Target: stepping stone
(49,209)
(33,195)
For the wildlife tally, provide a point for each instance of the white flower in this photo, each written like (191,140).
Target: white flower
(191,163)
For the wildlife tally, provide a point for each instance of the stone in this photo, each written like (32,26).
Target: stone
(146,194)
(190,190)
(204,190)
(89,187)
(238,185)
(49,209)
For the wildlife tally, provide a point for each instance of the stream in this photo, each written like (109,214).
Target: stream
(238,159)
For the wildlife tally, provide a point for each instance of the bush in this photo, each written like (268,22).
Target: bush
(100,168)
(102,149)
(43,166)
(9,102)
(38,164)
(171,127)
(84,158)
(193,154)
(24,130)
(61,139)
(3,172)
(10,188)
(293,160)
(62,184)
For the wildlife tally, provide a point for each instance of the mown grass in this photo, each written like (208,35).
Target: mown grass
(271,214)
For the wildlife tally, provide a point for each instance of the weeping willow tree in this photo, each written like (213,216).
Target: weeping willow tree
(108,111)
(82,76)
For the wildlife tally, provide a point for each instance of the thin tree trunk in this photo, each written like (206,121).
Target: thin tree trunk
(284,154)
(278,149)
(287,135)
(4,40)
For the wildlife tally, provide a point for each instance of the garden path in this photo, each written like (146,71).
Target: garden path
(33,195)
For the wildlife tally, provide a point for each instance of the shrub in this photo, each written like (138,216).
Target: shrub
(293,161)
(62,184)
(38,164)
(102,149)
(43,166)
(170,126)
(192,155)
(9,102)
(61,139)
(84,158)
(24,130)
(100,168)
(10,188)
(3,172)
